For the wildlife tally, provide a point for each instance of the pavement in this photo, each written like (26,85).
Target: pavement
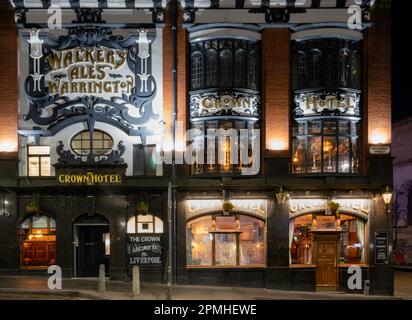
(35,288)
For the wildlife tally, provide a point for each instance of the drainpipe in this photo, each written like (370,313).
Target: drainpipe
(175,12)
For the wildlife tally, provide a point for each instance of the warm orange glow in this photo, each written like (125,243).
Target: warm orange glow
(380,137)
(8,146)
(277,144)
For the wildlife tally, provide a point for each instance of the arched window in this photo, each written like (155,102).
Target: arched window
(344,67)
(240,67)
(145,224)
(197,75)
(355,70)
(226,68)
(315,67)
(301,71)
(352,240)
(98,143)
(38,235)
(211,68)
(252,71)
(330,72)
(217,240)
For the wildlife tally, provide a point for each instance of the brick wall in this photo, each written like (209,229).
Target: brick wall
(181,77)
(378,43)
(8,80)
(276,87)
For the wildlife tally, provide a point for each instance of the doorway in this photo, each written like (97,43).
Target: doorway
(326,254)
(92,246)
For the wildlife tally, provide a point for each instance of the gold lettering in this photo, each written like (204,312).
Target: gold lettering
(54,86)
(101,74)
(68,60)
(107,88)
(55,61)
(64,89)
(122,57)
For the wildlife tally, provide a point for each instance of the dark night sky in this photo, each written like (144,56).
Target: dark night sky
(401,60)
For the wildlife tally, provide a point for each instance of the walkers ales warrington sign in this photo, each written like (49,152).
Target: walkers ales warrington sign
(97,71)
(144,249)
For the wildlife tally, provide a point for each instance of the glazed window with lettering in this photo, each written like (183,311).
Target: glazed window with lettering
(217,240)
(352,242)
(326,146)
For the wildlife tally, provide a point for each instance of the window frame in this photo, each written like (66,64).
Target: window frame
(352,135)
(91,144)
(234,169)
(39,157)
(213,233)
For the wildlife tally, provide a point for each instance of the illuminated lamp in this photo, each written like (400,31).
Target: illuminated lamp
(387,195)
(277,145)
(379,137)
(281,195)
(7,146)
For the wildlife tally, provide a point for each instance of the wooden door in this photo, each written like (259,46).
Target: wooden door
(90,252)
(326,268)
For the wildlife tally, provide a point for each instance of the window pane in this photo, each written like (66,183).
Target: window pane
(102,143)
(226,68)
(344,155)
(40,222)
(240,68)
(145,227)
(199,241)
(197,70)
(314,154)
(158,225)
(131,225)
(45,166)
(344,128)
(314,127)
(355,155)
(145,218)
(298,156)
(98,144)
(329,127)
(252,246)
(211,68)
(34,166)
(39,150)
(25,224)
(301,242)
(352,240)
(329,154)
(252,71)
(225,248)
(315,67)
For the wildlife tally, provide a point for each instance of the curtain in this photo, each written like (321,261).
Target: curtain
(291,229)
(361,236)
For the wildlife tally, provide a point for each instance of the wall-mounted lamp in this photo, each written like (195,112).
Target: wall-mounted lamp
(387,195)
(281,195)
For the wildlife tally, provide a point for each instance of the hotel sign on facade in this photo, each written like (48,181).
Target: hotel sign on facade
(299,207)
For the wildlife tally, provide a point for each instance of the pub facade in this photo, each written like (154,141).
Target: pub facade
(260,130)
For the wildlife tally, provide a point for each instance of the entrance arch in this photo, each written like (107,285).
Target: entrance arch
(92,244)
